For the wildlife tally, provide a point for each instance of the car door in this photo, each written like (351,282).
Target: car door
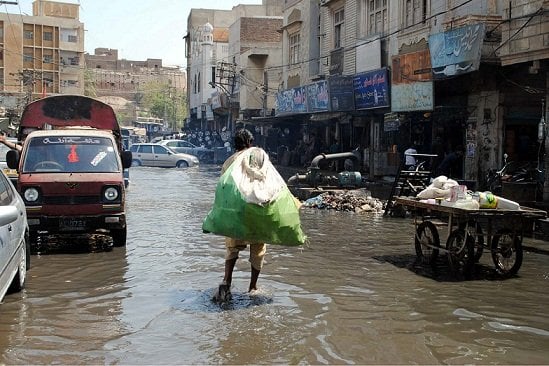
(162,156)
(12,232)
(146,155)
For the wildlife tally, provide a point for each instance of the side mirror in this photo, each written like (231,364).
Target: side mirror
(126,159)
(12,159)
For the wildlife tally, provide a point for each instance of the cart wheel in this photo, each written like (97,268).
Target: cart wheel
(507,252)
(475,230)
(427,242)
(461,253)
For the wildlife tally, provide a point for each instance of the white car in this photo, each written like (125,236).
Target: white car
(11,173)
(161,156)
(14,235)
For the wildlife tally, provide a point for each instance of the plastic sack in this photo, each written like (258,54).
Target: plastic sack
(433,192)
(253,203)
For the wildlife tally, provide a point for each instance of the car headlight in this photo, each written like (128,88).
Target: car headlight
(31,194)
(111,194)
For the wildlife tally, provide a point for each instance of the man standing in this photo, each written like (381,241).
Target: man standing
(243,140)
(409,158)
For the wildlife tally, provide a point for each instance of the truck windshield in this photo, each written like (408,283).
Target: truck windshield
(70,154)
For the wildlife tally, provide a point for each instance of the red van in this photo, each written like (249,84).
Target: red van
(71,168)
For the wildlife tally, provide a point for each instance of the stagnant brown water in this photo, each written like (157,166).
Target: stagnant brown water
(354,296)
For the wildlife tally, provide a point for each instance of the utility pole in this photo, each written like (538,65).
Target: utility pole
(265,91)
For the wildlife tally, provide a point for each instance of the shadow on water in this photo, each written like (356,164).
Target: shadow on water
(202,301)
(439,271)
(72,244)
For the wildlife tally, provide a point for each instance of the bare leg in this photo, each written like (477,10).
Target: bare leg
(229,267)
(223,293)
(253,280)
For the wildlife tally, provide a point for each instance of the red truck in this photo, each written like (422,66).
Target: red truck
(71,168)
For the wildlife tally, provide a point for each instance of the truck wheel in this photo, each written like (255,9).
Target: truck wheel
(119,237)
(182,164)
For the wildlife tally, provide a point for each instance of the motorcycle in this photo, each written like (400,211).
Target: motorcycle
(493,181)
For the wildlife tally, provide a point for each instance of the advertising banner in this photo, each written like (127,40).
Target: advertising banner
(291,101)
(371,89)
(456,51)
(317,97)
(341,93)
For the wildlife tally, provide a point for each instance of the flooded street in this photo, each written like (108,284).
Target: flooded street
(354,295)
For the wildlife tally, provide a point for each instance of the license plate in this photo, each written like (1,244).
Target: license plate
(10,172)
(72,224)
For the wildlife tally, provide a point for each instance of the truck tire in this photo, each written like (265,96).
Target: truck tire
(119,237)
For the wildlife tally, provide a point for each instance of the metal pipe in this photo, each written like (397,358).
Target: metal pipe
(336,156)
(297,178)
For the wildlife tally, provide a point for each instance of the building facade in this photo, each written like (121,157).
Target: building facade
(41,54)
(212,71)
(125,78)
(444,76)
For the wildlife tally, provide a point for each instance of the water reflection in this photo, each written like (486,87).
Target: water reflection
(355,294)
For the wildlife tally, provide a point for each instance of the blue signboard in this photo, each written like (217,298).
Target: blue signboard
(341,93)
(456,51)
(317,97)
(371,89)
(291,101)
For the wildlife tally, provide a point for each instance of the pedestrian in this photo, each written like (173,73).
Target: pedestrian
(11,145)
(409,158)
(243,140)
(450,164)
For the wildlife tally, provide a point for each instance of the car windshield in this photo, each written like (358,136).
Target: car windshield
(71,154)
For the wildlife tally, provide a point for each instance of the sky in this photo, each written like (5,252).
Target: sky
(139,29)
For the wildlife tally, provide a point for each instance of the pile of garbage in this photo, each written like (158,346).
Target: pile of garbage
(359,200)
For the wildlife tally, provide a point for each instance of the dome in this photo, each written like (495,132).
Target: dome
(208,27)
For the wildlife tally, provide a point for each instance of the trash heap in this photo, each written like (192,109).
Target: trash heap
(359,201)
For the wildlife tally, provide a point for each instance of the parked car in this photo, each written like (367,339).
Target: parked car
(149,154)
(14,243)
(203,154)
(10,173)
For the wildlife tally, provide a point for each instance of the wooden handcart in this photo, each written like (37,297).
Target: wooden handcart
(469,234)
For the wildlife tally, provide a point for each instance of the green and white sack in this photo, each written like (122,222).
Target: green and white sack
(253,203)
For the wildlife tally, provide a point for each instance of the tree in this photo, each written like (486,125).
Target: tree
(89,84)
(164,101)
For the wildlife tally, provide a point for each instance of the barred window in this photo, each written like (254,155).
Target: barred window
(339,21)
(377,16)
(294,48)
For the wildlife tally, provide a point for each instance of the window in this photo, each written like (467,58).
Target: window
(28,34)
(377,16)
(294,48)
(213,77)
(5,192)
(48,36)
(27,57)
(194,86)
(415,12)
(198,84)
(73,39)
(48,59)
(339,19)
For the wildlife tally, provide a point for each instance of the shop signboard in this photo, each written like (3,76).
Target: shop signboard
(291,101)
(341,93)
(456,51)
(411,82)
(317,97)
(371,89)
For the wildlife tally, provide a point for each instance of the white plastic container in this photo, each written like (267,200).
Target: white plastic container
(505,204)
